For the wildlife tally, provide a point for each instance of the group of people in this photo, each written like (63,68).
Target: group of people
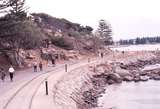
(35,66)
(40,65)
(11,73)
(11,70)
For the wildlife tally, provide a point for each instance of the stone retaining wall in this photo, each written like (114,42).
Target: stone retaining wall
(66,90)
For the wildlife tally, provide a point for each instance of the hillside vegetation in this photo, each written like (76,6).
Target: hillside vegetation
(26,38)
(43,33)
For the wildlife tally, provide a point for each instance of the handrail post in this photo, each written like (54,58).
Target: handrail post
(46,85)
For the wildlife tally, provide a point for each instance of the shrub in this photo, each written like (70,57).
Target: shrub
(20,34)
(62,42)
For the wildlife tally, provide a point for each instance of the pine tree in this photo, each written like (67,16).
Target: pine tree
(18,10)
(105,32)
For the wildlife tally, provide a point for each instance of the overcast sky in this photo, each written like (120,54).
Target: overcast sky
(129,18)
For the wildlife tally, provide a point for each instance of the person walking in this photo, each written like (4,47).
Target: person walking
(53,61)
(11,72)
(102,55)
(35,66)
(3,74)
(40,66)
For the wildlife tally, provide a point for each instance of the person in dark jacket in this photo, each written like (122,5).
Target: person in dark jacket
(3,74)
(40,66)
(35,66)
(102,55)
(53,61)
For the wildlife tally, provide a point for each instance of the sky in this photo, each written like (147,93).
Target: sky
(129,18)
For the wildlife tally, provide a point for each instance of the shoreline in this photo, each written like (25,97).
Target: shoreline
(82,88)
(125,71)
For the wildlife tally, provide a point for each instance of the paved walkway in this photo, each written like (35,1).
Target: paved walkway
(22,76)
(41,101)
(20,93)
(27,91)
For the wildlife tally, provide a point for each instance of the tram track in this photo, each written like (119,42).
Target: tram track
(23,97)
(26,84)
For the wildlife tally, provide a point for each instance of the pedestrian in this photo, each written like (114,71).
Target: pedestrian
(3,74)
(53,61)
(35,66)
(11,72)
(40,66)
(101,55)
(123,52)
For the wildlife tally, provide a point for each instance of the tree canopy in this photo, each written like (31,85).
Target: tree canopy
(105,32)
(16,31)
(20,34)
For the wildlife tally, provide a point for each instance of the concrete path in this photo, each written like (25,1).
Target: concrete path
(41,101)
(27,91)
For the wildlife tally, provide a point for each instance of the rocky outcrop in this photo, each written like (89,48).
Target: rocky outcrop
(81,89)
(120,72)
(15,58)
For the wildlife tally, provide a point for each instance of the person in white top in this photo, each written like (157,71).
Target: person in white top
(11,72)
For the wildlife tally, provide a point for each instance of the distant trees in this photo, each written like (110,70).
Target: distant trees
(138,40)
(126,42)
(105,32)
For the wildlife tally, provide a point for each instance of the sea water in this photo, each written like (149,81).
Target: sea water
(131,95)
